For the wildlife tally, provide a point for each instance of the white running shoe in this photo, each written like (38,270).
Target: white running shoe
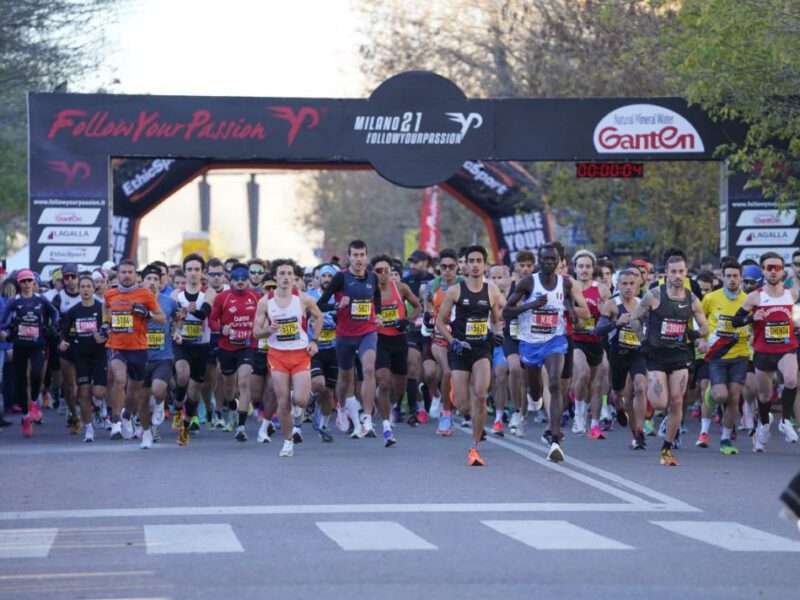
(263,434)
(147,440)
(763,433)
(138,432)
(789,434)
(537,404)
(88,435)
(116,431)
(342,423)
(531,404)
(126,428)
(555,454)
(288,449)
(436,408)
(516,417)
(520,429)
(578,425)
(158,411)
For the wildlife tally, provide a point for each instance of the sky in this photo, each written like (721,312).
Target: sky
(267,48)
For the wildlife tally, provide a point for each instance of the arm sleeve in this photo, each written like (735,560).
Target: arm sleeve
(741,318)
(336,285)
(66,323)
(604,326)
(202,312)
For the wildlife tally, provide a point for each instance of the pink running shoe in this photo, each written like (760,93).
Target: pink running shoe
(34,411)
(27,427)
(595,433)
(422,417)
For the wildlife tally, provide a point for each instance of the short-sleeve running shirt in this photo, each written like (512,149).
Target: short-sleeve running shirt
(128,331)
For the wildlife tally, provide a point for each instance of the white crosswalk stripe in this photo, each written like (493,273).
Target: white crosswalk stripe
(26,543)
(199,538)
(373,535)
(731,536)
(555,535)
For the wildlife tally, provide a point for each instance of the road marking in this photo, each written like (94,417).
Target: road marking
(26,543)
(78,575)
(329,509)
(373,535)
(668,502)
(82,448)
(555,535)
(200,538)
(731,536)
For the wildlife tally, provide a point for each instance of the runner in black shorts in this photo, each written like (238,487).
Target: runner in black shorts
(324,368)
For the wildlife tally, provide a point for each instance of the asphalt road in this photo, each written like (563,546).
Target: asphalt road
(220,519)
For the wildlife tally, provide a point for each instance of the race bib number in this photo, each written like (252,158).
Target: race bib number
(588,326)
(288,330)
(477,329)
(192,330)
(360,310)
(390,315)
(29,332)
(628,338)
(725,327)
(544,321)
(239,337)
(85,326)
(673,330)
(121,322)
(513,329)
(326,336)
(155,340)
(777,333)
(263,344)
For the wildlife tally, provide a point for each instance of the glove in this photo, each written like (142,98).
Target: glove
(402,325)
(496,339)
(459,347)
(141,310)
(427,320)
(105,328)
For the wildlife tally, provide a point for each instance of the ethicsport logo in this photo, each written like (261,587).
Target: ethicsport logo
(646,129)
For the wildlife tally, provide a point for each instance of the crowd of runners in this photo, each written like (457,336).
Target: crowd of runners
(576,343)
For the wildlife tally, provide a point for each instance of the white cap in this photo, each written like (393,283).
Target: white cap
(108,266)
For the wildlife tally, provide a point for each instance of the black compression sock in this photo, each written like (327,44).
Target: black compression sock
(666,445)
(180,393)
(242,418)
(411,394)
(191,408)
(763,412)
(787,402)
(232,405)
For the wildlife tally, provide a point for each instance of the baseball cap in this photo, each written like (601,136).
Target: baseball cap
(69,269)
(108,266)
(97,275)
(418,255)
(640,262)
(752,272)
(24,274)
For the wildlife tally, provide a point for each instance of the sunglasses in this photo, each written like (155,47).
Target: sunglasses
(796,263)
(381,270)
(256,272)
(750,281)
(773,268)
(215,273)
(25,281)
(447,267)
(70,276)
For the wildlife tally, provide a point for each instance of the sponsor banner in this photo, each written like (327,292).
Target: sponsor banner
(755,253)
(68,216)
(64,254)
(195,242)
(646,129)
(767,217)
(69,235)
(761,237)
(123,244)
(429,222)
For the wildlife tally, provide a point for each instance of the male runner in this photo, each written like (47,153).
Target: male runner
(523,267)
(415,280)
(470,340)
(543,334)
(728,351)
(125,314)
(501,277)
(257,273)
(88,345)
(63,300)
(391,361)
(669,309)
(358,300)
(216,282)
(233,315)
(281,315)
(324,369)
(774,346)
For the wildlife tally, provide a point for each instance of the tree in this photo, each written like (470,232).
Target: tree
(741,60)
(43,45)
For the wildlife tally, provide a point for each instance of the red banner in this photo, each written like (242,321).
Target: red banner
(429,221)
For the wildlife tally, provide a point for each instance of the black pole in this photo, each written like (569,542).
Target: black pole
(205,204)
(252,209)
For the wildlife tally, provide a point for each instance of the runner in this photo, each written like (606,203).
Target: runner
(501,277)
(82,335)
(324,369)
(358,300)
(728,352)
(470,340)
(212,382)
(669,309)
(233,315)
(257,274)
(588,353)
(125,314)
(281,315)
(391,361)
(628,368)
(26,320)
(416,279)
(543,334)
(523,267)
(63,300)
(774,346)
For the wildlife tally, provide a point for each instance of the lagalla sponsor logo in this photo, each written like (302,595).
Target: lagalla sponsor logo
(406,128)
(646,129)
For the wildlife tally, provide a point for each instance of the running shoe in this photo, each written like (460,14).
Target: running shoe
(27,427)
(76,426)
(789,434)
(194,425)
(325,434)
(270,428)
(649,428)
(702,441)
(579,425)
(412,420)
(540,416)
(46,398)
(521,428)
(726,447)
(127,428)
(668,459)
(595,433)
(88,433)
(763,433)
(474,459)
(535,405)
(388,438)
(217,421)
(467,422)
(547,437)
(157,417)
(230,424)
(497,429)
(297,435)
(288,449)
(183,437)
(622,417)
(556,454)
(516,416)
(342,422)
(147,440)
(116,431)
(34,411)
(240,435)
(177,421)
(606,418)
(263,436)
(445,427)
(436,408)
(156,434)
(639,441)
(422,416)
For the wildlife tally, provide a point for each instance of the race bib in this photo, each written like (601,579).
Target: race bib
(29,332)
(588,326)
(360,310)
(776,333)
(326,336)
(513,329)
(192,330)
(288,329)
(155,340)
(85,326)
(121,322)
(628,338)
(390,315)
(725,327)
(544,321)
(673,330)
(263,344)
(239,337)
(477,329)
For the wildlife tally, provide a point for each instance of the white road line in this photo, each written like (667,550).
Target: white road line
(79,575)
(671,504)
(200,538)
(555,535)
(82,448)
(329,509)
(26,543)
(731,536)
(373,535)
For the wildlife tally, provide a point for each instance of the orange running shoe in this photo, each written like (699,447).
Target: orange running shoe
(474,459)
(497,429)
(668,459)
(183,437)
